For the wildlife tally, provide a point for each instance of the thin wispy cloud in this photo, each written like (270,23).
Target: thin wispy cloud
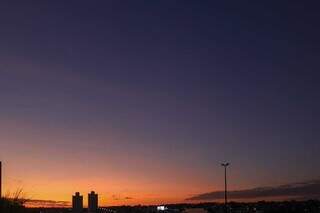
(308,189)
(119,197)
(48,203)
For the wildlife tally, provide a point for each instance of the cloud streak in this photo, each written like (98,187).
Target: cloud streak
(308,189)
(118,197)
(47,203)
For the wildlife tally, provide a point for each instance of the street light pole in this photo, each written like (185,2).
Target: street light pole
(225,165)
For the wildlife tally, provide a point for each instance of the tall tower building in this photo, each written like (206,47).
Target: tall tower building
(77,203)
(92,202)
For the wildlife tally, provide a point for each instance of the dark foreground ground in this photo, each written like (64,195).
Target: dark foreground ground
(311,206)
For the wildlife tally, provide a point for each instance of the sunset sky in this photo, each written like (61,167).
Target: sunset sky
(141,100)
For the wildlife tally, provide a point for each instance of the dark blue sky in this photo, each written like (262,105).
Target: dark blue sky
(184,84)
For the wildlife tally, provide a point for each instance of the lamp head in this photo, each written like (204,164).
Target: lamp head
(225,164)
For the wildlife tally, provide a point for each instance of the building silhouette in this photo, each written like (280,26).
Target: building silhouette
(77,203)
(92,202)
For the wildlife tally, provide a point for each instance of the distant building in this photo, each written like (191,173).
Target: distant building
(162,208)
(77,203)
(92,202)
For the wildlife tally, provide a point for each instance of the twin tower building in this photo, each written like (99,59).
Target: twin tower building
(77,203)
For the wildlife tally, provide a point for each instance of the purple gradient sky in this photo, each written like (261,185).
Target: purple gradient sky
(145,99)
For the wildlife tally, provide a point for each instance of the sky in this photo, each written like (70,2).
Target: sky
(295,191)
(142,100)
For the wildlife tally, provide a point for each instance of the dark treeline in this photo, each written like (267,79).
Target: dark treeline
(311,206)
